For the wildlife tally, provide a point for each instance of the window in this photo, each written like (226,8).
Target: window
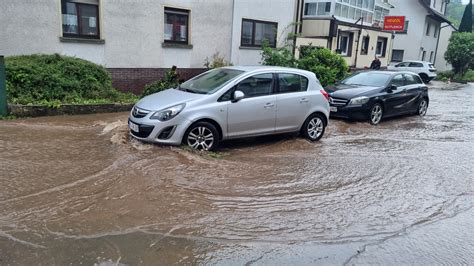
(319,9)
(431,56)
(428,29)
(255,32)
(211,81)
(423,56)
(381,47)
(345,43)
(291,83)
(415,64)
(397,55)
(365,45)
(435,32)
(398,81)
(404,64)
(176,25)
(257,85)
(411,79)
(80,20)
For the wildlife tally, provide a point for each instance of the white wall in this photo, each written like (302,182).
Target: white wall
(280,11)
(441,63)
(132,30)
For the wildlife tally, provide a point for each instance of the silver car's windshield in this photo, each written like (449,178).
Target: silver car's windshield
(210,82)
(367,79)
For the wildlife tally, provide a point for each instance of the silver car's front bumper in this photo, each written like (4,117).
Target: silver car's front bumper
(169,132)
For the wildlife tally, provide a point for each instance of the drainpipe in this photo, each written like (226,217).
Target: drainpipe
(3,88)
(296,26)
(232,32)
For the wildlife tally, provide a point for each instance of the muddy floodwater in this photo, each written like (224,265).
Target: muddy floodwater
(77,190)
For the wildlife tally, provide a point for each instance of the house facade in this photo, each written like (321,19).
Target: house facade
(352,28)
(138,40)
(424,22)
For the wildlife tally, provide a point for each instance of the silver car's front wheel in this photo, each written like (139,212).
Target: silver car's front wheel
(376,114)
(202,136)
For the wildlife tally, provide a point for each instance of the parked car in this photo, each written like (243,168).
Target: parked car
(233,102)
(374,95)
(426,70)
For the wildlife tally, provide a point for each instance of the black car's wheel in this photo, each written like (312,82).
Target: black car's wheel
(202,136)
(314,127)
(376,114)
(425,78)
(422,107)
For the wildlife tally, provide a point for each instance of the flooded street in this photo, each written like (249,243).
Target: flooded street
(77,190)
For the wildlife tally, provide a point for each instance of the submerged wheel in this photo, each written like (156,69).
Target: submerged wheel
(425,78)
(422,107)
(202,136)
(314,127)
(376,114)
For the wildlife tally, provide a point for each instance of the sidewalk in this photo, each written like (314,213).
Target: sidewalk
(441,85)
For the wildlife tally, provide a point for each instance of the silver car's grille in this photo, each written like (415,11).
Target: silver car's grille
(139,113)
(337,101)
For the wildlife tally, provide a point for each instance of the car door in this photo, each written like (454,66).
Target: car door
(256,113)
(415,88)
(396,99)
(293,101)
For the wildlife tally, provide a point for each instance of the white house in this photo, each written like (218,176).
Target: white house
(421,39)
(138,40)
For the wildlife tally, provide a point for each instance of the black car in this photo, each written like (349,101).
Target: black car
(374,95)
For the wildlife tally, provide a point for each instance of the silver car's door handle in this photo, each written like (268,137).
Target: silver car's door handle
(269,105)
(304,100)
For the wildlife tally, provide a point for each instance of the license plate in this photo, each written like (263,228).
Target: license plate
(133,126)
(333,109)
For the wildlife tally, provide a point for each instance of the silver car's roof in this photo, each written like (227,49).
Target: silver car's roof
(267,68)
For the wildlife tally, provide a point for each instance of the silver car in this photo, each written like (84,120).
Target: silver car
(233,102)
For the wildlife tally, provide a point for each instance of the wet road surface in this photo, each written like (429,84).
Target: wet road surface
(77,190)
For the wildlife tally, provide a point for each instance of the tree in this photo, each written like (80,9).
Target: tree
(466,22)
(460,53)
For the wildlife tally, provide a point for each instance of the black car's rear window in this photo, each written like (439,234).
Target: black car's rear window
(373,79)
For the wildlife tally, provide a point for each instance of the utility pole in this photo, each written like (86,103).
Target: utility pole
(361,19)
(3,88)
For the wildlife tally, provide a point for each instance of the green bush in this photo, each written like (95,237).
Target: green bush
(469,76)
(328,66)
(55,79)
(445,75)
(170,80)
(460,53)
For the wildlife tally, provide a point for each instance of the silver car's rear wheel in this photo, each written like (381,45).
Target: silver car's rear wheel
(202,136)
(314,127)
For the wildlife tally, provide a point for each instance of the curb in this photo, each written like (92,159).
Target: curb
(19,110)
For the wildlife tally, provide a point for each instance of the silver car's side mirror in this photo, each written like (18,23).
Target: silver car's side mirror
(238,95)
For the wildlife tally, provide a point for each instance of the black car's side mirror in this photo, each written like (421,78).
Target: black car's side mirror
(391,88)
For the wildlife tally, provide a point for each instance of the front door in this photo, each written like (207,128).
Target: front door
(256,113)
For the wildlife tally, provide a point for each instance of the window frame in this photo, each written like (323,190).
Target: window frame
(364,50)
(384,47)
(254,23)
(79,35)
(177,11)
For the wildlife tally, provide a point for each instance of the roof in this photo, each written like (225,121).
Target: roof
(434,14)
(266,68)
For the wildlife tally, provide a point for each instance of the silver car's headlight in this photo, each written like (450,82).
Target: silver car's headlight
(168,113)
(359,100)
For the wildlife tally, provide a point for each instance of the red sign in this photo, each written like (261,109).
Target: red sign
(394,23)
